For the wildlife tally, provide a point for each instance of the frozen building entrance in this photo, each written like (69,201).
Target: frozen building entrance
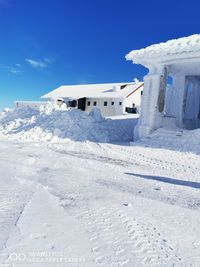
(172,86)
(191,107)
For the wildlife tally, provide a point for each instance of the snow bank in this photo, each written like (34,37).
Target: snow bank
(51,124)
(178,140)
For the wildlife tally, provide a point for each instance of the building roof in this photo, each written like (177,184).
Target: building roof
(182,48)
(105,90)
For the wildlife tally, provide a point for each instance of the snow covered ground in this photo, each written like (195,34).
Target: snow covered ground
(80,203)
(91,204)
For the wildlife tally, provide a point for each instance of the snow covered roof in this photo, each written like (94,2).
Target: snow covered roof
(105,90)
(183,48)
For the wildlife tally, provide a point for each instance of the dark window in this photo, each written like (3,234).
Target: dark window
(88,103)
(105,103)
(95,103)
(120,103)
(131,110)
(112,103)
(141,92)
(123,86)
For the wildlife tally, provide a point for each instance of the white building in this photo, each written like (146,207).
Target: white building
(176,62)
(111,98)
(30,104)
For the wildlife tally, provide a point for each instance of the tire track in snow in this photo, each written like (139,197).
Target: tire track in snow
(133,158)
(137,159)
(91,156)
(118,240)
(144,160)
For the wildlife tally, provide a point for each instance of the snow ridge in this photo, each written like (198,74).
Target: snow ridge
(51,124)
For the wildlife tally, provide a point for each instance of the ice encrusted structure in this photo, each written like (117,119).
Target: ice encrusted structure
(178,102)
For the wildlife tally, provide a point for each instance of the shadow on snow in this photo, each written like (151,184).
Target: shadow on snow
(167,180)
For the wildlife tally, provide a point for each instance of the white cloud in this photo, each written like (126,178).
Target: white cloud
(38,64)
(16,69)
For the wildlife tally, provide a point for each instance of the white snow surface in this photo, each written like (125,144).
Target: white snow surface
(174,139)
(86,204)
(57,125)
(180,46)
(89,204)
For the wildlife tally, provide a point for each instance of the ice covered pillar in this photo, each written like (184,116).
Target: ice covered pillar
(151,116)
(179,85)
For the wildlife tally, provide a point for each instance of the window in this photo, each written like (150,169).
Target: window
(112,103)
(105,103)
(120,103)
(123,86)
(95,103)
(88,103)
(132,110)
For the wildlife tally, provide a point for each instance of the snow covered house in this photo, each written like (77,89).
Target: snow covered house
(111,98)
(172,86)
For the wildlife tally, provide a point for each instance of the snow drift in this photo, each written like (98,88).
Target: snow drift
(51,124)
(173,139)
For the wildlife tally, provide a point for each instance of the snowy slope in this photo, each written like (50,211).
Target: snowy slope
(87,204)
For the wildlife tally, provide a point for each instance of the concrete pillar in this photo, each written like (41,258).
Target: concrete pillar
(151,118)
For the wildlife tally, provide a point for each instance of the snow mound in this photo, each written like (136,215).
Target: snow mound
(178,139)
(96,115)
(51,124)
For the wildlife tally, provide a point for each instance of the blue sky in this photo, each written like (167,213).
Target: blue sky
(48,43)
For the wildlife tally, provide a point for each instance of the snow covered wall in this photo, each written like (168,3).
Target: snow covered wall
(50,124)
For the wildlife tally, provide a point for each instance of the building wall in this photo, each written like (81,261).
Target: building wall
(116,109)
(109,110)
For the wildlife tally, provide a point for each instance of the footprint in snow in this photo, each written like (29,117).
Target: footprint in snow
(127,204)
(157,188)
(38,236)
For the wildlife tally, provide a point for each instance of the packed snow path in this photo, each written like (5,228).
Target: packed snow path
(87,204)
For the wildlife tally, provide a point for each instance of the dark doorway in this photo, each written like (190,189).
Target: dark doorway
(81,103)
(73,103)
(191,105)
